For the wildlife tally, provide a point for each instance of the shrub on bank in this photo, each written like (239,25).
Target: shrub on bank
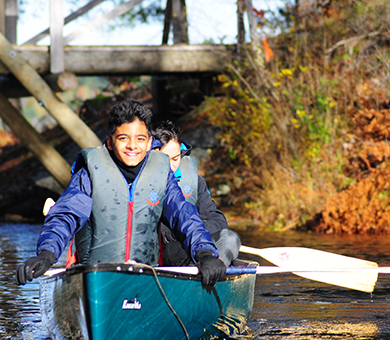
(304,140)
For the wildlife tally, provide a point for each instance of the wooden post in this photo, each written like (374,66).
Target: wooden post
(32,81)
(11,19)
(56,39)
(46,154)
(180,24)
(2,16)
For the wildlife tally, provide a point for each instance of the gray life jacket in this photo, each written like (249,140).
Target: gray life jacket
(189,181)
(123,218)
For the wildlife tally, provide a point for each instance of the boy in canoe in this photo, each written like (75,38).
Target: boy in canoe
(123,188)
(195,191)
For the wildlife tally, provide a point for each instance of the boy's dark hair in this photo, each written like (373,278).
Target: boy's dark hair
(167,131)
(127,112)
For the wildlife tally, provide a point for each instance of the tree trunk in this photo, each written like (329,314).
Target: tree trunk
(180,24)
(167,22)
(240,27)
(258,55)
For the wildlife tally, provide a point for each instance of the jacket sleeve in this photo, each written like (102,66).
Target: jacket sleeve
(213,218)
(67,216)
(184,217)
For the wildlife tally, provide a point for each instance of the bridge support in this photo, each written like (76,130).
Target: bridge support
(43,151)
(31,80)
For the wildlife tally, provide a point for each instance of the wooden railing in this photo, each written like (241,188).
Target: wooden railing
(175,17)
(35,66)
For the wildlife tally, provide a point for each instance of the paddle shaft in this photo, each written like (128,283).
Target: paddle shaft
(275,270)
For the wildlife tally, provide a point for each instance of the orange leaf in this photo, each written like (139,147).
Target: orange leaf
(259,13)
(268,52)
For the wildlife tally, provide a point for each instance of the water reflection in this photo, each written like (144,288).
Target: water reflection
(290,307)
(323,330)
(19,305)
(286,306)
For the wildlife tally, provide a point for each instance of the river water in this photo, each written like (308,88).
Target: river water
(286,306)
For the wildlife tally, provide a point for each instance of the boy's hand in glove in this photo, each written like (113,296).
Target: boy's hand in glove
(34,267)
(211,268)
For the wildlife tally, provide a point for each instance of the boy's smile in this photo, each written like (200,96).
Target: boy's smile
(130,142)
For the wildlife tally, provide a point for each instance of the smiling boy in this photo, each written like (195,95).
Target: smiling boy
(123,187)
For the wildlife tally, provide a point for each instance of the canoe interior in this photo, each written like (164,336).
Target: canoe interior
(133,301)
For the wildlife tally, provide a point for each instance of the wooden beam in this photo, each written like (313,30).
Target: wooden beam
(81,11)
(12,88)
(117,11)
(56,38)
(142,60)
(43,151)
(31,80)
(60,82)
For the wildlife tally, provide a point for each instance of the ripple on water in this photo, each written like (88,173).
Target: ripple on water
(285,306)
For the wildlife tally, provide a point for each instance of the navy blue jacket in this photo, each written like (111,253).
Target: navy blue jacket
(74,207)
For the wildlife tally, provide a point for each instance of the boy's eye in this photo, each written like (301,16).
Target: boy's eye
(175,158)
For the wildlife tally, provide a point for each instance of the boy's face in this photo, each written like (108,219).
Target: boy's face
(172,149)
(130,142)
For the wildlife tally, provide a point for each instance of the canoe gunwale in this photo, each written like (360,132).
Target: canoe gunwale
(139,268)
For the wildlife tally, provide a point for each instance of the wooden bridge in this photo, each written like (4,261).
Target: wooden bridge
(40,71)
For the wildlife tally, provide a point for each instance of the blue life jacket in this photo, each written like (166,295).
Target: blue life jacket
(188,180)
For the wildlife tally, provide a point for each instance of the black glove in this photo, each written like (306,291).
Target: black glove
(34,267)
(211,268)
(168,235)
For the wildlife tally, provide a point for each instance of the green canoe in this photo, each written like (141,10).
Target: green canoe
(133,301)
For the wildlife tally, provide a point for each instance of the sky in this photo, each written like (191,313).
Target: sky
(207,19)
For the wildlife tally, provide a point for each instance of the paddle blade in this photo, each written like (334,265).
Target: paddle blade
(48,204)
(306,258)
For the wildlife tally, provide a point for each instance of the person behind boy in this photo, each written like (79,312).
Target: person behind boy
(195,190)
(124,188)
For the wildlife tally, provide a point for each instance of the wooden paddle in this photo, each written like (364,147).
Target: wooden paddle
(48,204)
(322,266)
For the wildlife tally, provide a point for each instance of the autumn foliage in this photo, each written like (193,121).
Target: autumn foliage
(305,141)
(364,207)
